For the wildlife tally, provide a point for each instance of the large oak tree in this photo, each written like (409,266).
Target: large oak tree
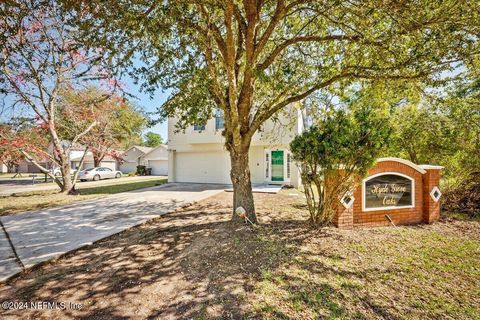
(253,58)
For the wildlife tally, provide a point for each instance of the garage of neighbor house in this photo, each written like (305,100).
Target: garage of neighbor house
(154,158)
(157,159)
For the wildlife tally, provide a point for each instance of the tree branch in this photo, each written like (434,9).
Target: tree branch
(261,117)
(269,60)
(90,127)
(41,168)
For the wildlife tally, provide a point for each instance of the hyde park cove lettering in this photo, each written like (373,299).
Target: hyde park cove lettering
(388,189)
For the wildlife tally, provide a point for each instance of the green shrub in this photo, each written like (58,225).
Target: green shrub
(141,170)
(339,148)
(464,198)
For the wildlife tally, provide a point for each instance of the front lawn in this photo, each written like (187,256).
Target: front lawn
(35,200)
(6,175)
(194,264)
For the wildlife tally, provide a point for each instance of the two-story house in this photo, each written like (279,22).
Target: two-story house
(198,154)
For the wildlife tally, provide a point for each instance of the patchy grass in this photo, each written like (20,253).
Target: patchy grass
(462,216)
(7,174)
(194,264)
(121,187)
(35,200)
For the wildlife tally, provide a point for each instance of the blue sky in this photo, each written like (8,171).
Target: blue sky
(143,100)
(148,104)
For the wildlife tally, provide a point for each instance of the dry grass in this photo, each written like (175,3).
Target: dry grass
(194,264)
(36,200)
(6,175)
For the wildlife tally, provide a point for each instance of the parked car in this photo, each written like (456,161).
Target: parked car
(98,173)
(57,172)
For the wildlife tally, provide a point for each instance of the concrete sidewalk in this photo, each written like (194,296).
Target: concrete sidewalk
(43,235)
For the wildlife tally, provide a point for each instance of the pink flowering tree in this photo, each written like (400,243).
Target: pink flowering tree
(118,124)
(9,155)
(22,135)
(40,59)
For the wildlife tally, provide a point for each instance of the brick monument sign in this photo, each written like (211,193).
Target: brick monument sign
(395,192)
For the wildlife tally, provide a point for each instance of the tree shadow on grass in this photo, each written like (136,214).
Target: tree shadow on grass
(176,266)
(193,263)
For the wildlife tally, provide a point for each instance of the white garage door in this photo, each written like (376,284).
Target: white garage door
(128,167)
(159,167)
(88,165)
(211,167)
(109,164)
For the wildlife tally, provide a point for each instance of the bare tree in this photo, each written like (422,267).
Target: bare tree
(39,58)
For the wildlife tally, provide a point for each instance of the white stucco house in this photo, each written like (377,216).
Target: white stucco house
(155,158)
(198,154)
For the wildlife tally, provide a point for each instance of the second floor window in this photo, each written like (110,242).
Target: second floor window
(219,121)
(198,127)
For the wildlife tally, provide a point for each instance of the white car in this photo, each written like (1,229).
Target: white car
(98,173)
(57,172)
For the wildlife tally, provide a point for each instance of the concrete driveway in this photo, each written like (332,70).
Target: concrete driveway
(39,236)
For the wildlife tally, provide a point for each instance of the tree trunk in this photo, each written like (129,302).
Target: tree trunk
(412,155)
(242,186)
(67,185)
(11,167)
(97,158)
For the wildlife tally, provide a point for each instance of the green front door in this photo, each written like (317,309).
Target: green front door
(277,165)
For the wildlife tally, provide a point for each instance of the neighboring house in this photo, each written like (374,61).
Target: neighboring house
(133,157)
(155,158)
(107,162)
(76,154)
(3,168)
(198,154)
(26,166)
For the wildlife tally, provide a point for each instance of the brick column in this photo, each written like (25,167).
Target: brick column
(344,217)
(431,179)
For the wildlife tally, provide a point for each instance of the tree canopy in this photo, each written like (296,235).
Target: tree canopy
(153,139)
(253,58)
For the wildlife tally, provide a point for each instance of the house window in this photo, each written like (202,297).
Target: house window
(198,127)
(288,165)
(219,121)
(267,164)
